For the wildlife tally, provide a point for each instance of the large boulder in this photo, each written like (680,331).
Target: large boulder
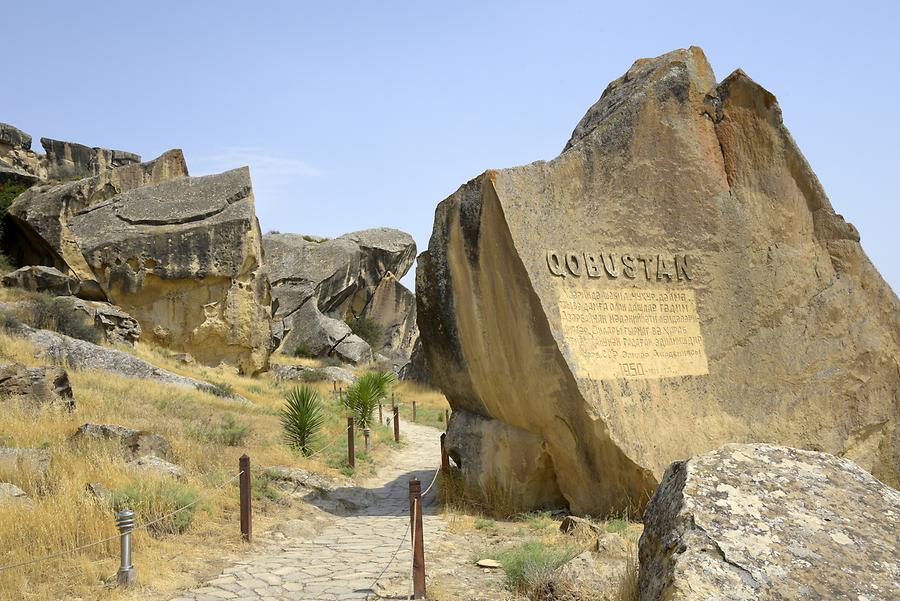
(39,385)
(765,522)
(40,217)
(115,325)
(339,276)
(25,464)
(183,257)
(393,307)
(674,280)
(134,443)
(18,163)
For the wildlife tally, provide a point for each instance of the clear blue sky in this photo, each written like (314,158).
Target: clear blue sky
(355,115)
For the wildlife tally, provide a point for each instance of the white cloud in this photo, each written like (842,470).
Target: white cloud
(263,164)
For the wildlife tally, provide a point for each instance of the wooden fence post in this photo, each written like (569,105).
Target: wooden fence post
(445,458)
(396,424)
(415,519)
(446,420)
(351,451)
(414,410)
(380,418)
(246,496)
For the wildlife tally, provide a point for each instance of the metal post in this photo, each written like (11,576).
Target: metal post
(445,458)
(351,452)
(246,496)
(396,424)
(446,420)
(415,522)
(414,410)
(125,523)
(367,432)
(380,418)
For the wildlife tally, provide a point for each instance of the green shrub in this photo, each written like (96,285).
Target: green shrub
(616,526)
(219,389)
(5,264)
(229,432)
(303,351)
(262,487)
(530,565)
(152,500)
(60,315)
(362,397)
(313,375)
(368,330)
(301,417)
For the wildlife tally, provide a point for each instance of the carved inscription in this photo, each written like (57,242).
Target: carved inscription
(633,332)
(655,267)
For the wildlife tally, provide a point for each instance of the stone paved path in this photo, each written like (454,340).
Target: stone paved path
(344,559)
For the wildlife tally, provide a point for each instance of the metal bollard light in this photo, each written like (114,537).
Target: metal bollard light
(125,523)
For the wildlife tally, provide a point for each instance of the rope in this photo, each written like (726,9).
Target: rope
(330,444)
(390,562)
(433,480)
(115,536)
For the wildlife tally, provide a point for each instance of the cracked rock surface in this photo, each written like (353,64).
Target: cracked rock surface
(758,521)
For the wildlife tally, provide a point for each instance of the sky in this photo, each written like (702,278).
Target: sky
(363,114)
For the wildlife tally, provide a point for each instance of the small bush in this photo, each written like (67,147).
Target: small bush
(362,398)
(229,432)
(485,524)
(367,329)
(152,500)
(60,315)
(263,489)
(219,389)
(530,566)
(5,264)
(301,417)
(616,526)
(313,375)
(303,351)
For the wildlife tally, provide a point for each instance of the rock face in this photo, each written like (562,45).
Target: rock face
(393,307)
(765,522)
(33,464)
(38,278)
(70,160)
(183,257)
(41,216)
(318,284)
(674,280)
(117,326)
(42,385)
(134,443)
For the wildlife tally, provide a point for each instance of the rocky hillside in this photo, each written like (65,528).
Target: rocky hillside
(183,258)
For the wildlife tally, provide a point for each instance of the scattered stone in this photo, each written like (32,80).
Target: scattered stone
(572,524)
(674,280)
(117,326)
(194,239)
(38,278)
(488,563)
(611,545)
(585,573)
(99,491)
(282,372)
(10,494)
(80,354)
(33,464)
(184,358)
(134,443)
(151,463)
(758,521)
(41,385)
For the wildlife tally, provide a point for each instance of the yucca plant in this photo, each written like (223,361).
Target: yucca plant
(301,417)
(362,398)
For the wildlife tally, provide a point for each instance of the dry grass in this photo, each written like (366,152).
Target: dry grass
(68,515)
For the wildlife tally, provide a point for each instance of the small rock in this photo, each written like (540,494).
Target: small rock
(44,385)
(39,278)
(12,494)
(30,463)
(488,563)
(571,524)
(611,545)
(160,466)
(135,443)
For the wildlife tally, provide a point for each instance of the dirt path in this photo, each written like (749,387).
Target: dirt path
(344,559)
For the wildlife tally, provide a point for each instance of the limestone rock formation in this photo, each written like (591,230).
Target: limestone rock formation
(31,464)
(134,443)
(183,257)
(674,280)
(765,522)
(39,385)
(13,495)
(305,374)
(38,278)
(17,158)
(115,325)
(416,369)
(319,284)
(393,307)
(40,218)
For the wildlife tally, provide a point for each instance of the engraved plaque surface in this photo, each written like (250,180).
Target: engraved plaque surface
(632,333)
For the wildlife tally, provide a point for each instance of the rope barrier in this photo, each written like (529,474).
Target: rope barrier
(391,561)
(115,536)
